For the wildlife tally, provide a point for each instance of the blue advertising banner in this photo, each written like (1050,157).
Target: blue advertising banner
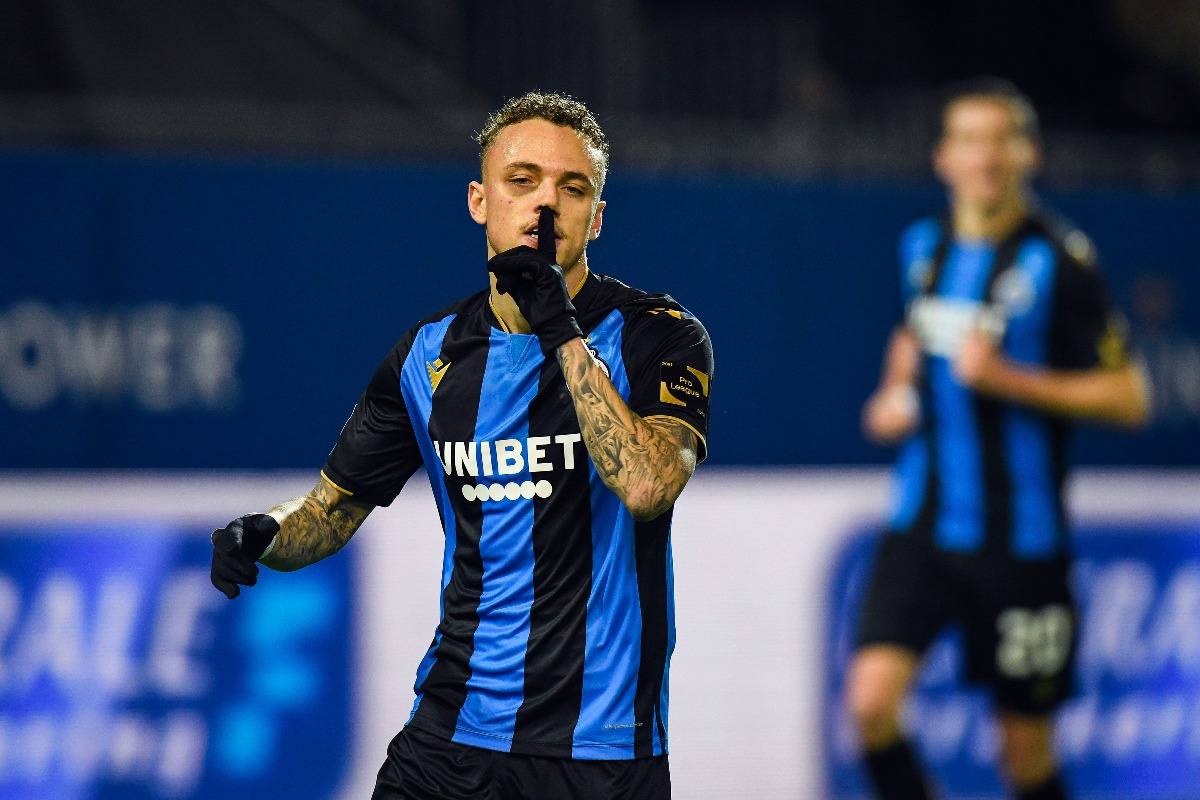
(164,313)
(1132,730)
(125,674)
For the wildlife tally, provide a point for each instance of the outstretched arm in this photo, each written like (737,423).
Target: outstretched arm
(1114,395)
(646,462)
(314,526)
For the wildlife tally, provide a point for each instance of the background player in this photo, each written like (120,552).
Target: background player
(1008,335)
(558,414)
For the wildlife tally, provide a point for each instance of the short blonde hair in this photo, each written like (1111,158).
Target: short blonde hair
(556,108)
(1000,91)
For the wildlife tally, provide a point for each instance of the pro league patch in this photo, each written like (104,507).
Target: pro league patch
(681,385)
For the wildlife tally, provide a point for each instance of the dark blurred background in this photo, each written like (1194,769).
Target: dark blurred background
(205,203)
(819,87)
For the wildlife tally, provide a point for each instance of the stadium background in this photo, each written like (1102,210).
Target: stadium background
(215,217)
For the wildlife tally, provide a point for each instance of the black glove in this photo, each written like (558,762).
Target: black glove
(236,550)
(536,283)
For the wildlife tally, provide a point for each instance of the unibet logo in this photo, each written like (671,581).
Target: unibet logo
(506,457)
(942,324)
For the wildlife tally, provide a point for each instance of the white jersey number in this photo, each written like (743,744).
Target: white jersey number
(1033,642)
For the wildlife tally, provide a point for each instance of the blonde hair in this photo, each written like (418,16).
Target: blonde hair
(556,108)
(999,90)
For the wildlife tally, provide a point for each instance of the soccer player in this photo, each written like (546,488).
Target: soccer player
(1008,337)
(559,414)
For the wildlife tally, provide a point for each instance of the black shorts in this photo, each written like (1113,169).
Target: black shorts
(421,766)
(1018,617)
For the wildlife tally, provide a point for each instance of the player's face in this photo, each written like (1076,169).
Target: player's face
(532,164)
(984,156)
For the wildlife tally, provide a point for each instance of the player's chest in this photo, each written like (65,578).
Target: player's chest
(495,386)
(973,292)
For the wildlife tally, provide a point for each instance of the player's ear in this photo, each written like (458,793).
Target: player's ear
(476,202)
(597,221)
(938,158)
(1034,157)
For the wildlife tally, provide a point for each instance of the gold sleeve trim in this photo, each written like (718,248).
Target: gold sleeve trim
(1112,348)
(685,424)
(346,492)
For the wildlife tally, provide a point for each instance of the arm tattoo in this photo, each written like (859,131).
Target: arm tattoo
(645,462)
(314,526)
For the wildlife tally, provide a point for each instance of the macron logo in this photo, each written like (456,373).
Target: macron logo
(506,457)
(437,371)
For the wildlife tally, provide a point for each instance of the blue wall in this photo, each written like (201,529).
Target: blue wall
(126,279)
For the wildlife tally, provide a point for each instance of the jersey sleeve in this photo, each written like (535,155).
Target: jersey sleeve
(916,251)
(670,362)
(1088,331)
(377,451)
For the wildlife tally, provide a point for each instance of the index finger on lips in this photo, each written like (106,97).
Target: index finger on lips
(546,234)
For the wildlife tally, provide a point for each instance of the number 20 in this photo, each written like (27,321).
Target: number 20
(1033,642)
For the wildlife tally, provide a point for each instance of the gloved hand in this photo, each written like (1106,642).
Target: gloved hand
(236,550)
(536,283)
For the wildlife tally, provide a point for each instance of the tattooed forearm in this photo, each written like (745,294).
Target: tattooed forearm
(313,527)
(645,462)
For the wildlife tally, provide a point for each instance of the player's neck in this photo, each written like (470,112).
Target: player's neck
(993,222)
(506,311)
(510,317)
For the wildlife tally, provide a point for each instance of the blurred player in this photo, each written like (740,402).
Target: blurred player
(558,415)
(1008,337)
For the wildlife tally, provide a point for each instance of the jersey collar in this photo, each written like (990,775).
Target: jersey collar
(581,298)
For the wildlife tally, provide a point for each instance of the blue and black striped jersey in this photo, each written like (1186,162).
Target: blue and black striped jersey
(980,474)
(557,612)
